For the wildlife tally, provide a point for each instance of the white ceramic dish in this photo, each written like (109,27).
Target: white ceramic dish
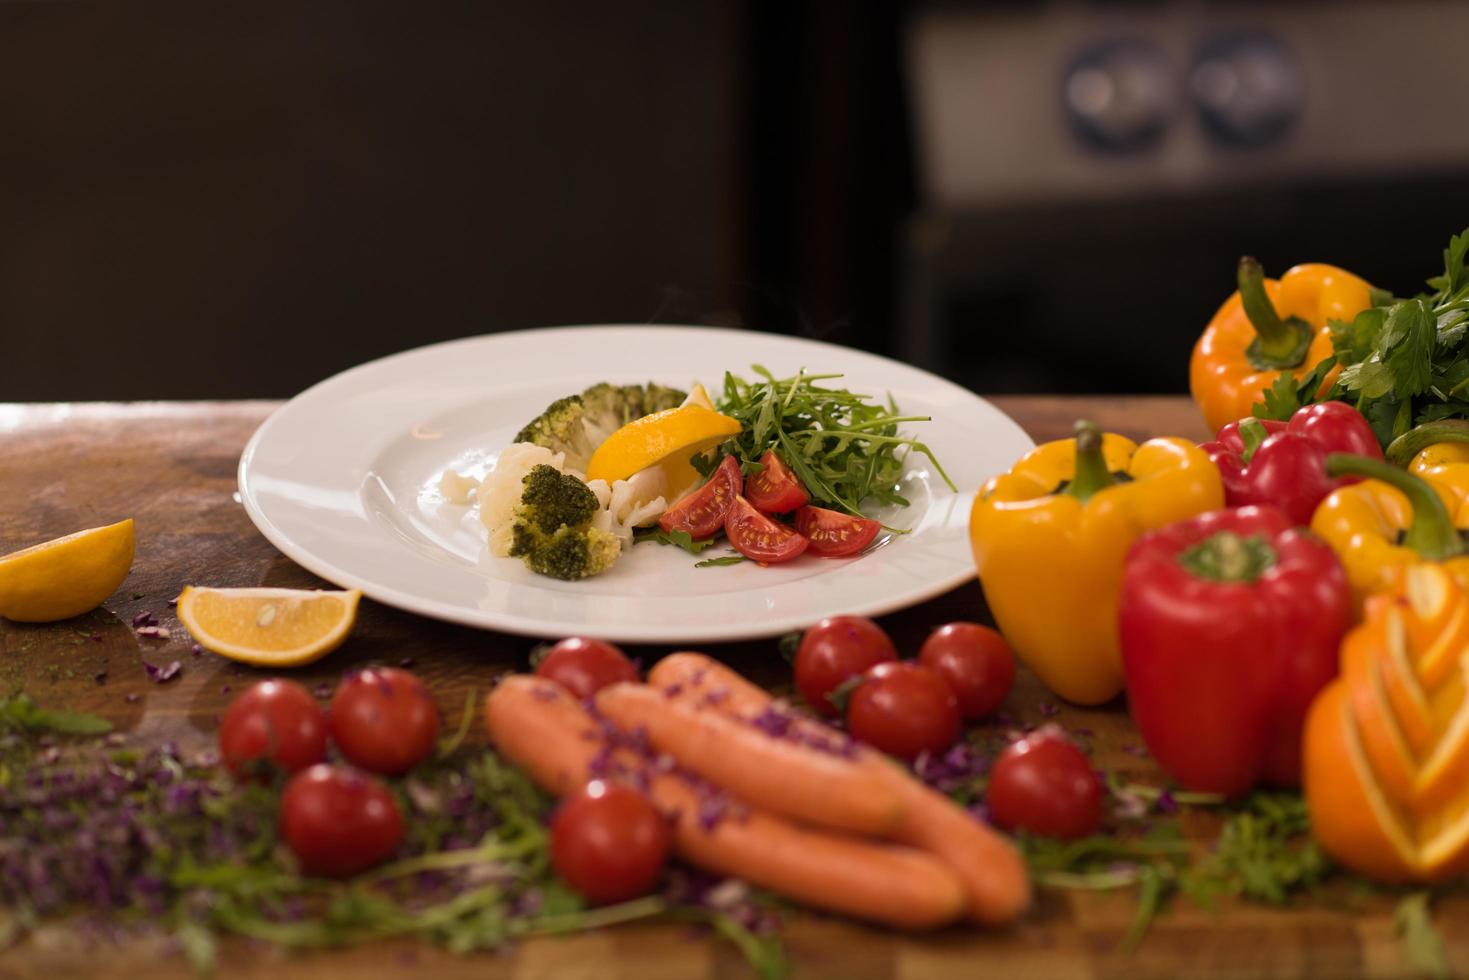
(343,479)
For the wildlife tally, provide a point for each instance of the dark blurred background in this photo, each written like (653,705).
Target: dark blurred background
(239,200)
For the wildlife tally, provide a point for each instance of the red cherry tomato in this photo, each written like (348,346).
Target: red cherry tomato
(703,512)
(339,821)
(275,722)
(759,538)
(904,709)
(1043,784)
(833,534)
(384,720)
(975,661)
(609,843)
(584,666)
(833,652)
(775,489)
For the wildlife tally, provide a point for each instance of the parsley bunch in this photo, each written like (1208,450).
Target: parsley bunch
(845,448)
(1403,361)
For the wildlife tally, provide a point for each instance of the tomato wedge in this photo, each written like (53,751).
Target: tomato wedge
(775,489)
(759,538)
(833,534)
(702,512)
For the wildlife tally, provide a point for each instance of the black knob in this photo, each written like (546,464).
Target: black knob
(1248,87)
(1120,95)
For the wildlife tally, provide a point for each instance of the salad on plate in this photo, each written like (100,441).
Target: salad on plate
(778,467)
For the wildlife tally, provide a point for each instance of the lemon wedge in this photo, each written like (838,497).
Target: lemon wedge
(668,439)
(65,577)
(268,627)
(699,395)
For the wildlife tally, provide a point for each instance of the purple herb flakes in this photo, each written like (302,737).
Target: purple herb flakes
(164,674)
(1166,803)
(545,692)
(1048,709)
(100,677)
(673,690)
(1132,748)
(154,632)
(407,662)
(322,690)
(132,697)
(196,649)
(143,619)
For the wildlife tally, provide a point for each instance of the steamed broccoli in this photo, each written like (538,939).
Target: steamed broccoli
(553,532)
(577,424)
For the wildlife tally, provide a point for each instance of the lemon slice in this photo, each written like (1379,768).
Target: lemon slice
(699,395)
(268,627)
(668,439)
(65,577)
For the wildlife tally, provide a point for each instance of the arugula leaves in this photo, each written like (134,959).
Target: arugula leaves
(679,539)
(845,448)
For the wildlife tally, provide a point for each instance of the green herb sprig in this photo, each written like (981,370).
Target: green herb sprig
(845,448)
(1403,360)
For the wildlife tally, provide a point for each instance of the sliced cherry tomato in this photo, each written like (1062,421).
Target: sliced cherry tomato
(339,821)
(833,534)
(275,723)
(1043,784)
(904,709)
(609,843)
(759,538)
(384,720)
(975,661)
(833,652)
(702,513)
(584,666)
(775,489)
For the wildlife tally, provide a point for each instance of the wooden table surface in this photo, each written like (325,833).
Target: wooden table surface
(172,468)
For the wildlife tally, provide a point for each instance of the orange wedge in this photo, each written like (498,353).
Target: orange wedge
(67,576)
(268,627)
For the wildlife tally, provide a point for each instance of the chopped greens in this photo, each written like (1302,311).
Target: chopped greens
(156,839)
(845,448)
(679,539)
(721,560)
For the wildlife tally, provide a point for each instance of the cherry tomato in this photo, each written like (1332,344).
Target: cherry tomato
(384,720)
(833,652)
(833,534)
(775,489)
(904,709)
(609,843)
(275,722)
(1043,784)
(702,513)
(339,821)
(584,666)
(759,538)
(975,661)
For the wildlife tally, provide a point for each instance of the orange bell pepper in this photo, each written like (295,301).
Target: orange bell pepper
(1267,329)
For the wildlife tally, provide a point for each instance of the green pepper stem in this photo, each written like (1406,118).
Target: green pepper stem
(1278,344)
(1432,533)
(1251,433)
(1400,451)
(1091,473)
(1229,557)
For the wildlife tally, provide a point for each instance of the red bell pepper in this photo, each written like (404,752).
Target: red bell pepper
(1230,623)
(1262,461)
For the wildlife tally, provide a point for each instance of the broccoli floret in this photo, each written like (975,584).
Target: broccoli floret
(553,531)
(555,424)
(577,424)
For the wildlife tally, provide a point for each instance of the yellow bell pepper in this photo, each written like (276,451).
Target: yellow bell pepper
(1050,538)
(1396,518)
(1267,329)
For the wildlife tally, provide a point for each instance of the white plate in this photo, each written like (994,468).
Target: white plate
(343,479)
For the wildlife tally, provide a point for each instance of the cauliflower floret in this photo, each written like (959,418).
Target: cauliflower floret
(632,503)
(501,488)
(457,488)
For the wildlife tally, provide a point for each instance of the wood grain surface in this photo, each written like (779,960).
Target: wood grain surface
(172,468)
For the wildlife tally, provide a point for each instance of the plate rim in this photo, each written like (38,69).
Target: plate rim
(518,625)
